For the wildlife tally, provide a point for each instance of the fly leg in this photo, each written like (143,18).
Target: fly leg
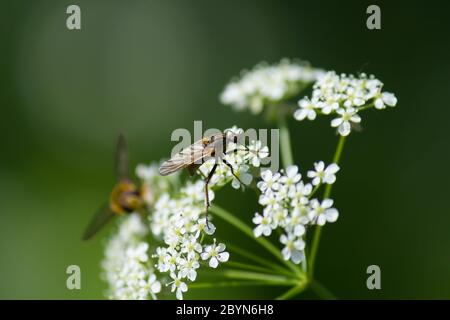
(207,204)
(232,171)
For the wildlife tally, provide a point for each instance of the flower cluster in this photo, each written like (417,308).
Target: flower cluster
(177,227)
(344,96)
(126,266)
(268,84)
(178,220)
(181,224)
(288,204)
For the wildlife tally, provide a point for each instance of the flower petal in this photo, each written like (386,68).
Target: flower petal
(332,215)
(336,122)
(297,256)
(224,256)
(213,263)
(344,129)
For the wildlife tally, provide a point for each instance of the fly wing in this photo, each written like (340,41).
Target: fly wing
(122,159)
(194,154)
(100,219)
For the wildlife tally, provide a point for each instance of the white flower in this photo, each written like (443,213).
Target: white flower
(299,194)
(132,226)
(188,268)
(386,98)
(354,97)
(323,212)
(293,249)
(138,252)
(269,181)
(153,286)
(243,175)
(180,221)
(194,192)
(234,130)
(343,122)
(170,261)
(203,226)
(307,110)
(268,84)
(146,172)
(282,195)
(288,206)
(161,254)
(264,225)
(153,184)
(178,285)
(298,216)
(125,264)
(322,174)
(330,105)
(215,254)
(270,200)
(279,217)
(299,230)
(344,95)
(291,177)
(176,233)
(256,152)
(191,247)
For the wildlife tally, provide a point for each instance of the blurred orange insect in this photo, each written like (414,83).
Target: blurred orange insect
(125,197)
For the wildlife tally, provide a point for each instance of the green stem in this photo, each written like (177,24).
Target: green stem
(313,253)
(293,291)
(246,266)
(246,254)
(313,192)
(368,106)
(321,291)
(339,148)
(256,276)
(231,219)
(327,193)
(206,285)
(285,142)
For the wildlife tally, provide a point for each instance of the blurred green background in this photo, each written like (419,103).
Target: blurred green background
(148,67)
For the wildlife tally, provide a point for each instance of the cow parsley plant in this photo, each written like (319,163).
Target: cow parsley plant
(166,252)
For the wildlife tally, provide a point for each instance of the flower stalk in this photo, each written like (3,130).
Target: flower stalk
(318,230)
(293,291)
(285,141)
(246,275)
(233,220)
(278,268)
(321,291)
